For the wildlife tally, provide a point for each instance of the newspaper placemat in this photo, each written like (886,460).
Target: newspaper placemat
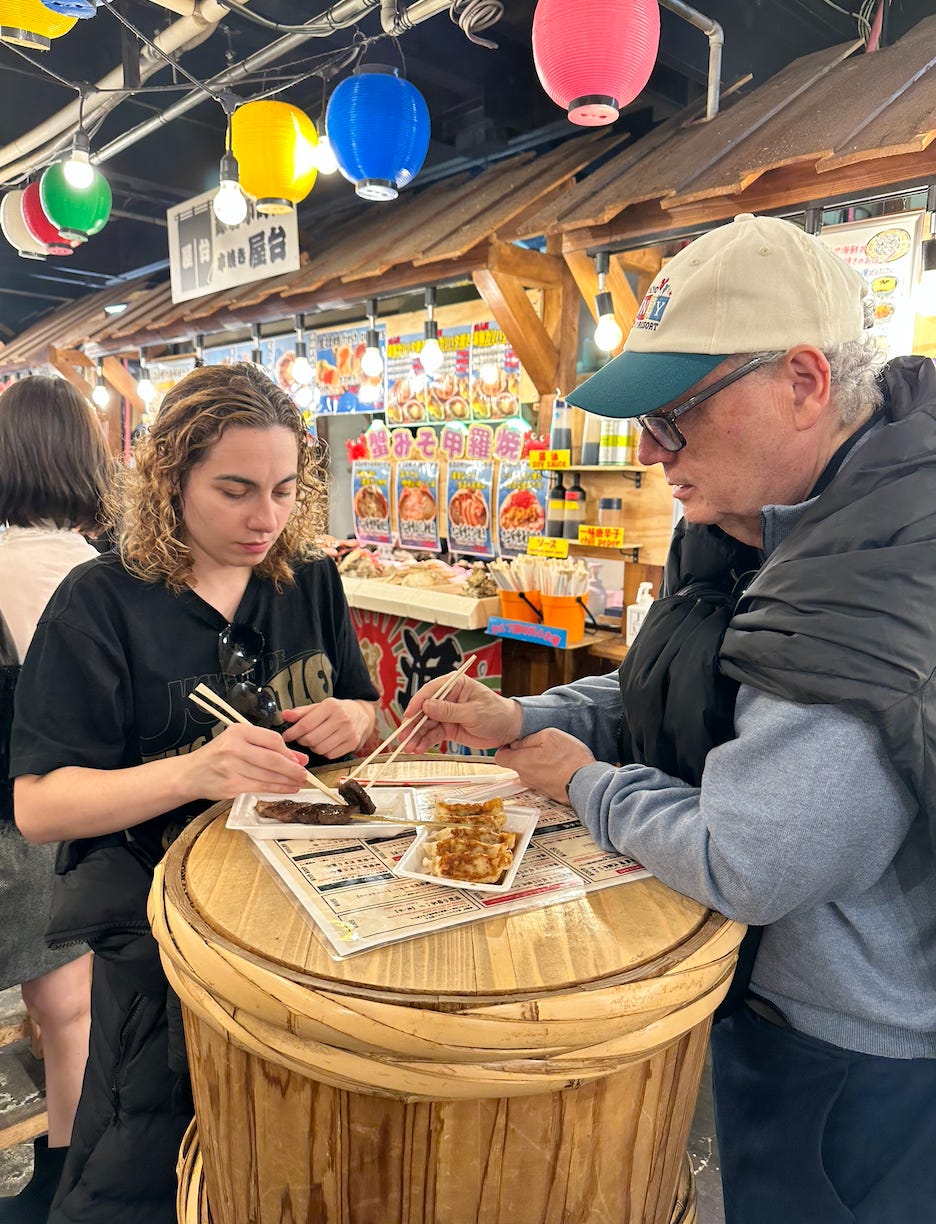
(356,902)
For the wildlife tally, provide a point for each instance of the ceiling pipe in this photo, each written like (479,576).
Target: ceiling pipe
(339,16)
(716,36)
(181,35)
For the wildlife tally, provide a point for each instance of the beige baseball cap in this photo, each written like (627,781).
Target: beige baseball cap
(756,284)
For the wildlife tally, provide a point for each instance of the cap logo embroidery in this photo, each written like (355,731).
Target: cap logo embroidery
(654,304)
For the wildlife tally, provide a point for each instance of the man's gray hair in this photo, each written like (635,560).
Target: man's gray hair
(854,368)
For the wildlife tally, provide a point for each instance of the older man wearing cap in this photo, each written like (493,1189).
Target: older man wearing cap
(769,746)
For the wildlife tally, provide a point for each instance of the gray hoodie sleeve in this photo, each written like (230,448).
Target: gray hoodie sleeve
(801,807)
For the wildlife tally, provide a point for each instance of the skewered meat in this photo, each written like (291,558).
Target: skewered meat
(293,811)
(354,794)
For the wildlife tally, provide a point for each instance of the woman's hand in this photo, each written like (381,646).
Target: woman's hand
(243,759)
(331,728)
(546,761)
(470,714)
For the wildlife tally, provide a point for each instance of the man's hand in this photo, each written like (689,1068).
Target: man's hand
(469,714)
(546,761)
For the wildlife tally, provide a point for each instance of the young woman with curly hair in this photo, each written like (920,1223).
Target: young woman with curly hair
(216,578)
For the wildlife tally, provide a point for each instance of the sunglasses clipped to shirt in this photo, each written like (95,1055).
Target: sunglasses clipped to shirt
(240,649)
(661,426)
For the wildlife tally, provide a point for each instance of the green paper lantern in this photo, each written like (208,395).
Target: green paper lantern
(76,213)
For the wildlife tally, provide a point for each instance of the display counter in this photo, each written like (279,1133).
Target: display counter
(532,1068)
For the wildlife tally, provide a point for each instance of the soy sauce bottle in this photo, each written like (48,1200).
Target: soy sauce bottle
(574,509)
(555,507)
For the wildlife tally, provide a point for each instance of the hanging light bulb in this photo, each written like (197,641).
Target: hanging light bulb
(256,353)
(144,388)
(229,204)
(372,362)
(100,395)
(79,173)
(302,371)
(324,154)
(608,333)
(430,355)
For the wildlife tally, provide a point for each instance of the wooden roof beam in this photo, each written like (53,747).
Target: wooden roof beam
(532,268)
(514,313)
(70,363)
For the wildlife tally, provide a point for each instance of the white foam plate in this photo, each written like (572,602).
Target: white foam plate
(396,804)
(520,820)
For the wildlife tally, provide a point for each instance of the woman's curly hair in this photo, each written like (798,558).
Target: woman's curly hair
(145,507)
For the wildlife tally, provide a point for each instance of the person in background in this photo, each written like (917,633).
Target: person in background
(768,746)
(54,468)
(216,578)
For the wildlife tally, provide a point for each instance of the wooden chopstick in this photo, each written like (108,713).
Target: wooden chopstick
(220,709)
(381,746)
(382,767)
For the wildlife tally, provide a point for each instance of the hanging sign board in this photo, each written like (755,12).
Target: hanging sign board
(206,256)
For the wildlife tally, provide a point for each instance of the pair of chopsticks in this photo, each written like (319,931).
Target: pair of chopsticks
(208,700)
(419,720)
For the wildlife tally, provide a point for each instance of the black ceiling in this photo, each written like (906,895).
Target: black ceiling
(483,104)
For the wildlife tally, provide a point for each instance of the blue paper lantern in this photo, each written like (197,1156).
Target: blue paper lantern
(72,8)
(378,125)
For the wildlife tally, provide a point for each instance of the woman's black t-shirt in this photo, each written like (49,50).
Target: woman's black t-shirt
(106,679)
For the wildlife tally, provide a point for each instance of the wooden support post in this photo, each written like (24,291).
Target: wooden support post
(514,313)
(122,381)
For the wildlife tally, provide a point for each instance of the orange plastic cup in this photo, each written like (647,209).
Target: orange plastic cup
(515,607)
(565,612)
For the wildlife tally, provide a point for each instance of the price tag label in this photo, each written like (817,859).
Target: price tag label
(601,537)
(547,546)
(540,459)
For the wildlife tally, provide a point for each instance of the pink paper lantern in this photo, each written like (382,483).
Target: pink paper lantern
(594,57)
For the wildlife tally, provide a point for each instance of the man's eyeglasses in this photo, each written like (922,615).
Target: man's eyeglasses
(240,649)
(661,426)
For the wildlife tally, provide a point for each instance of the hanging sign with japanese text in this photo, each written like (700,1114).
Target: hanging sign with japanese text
(206,256)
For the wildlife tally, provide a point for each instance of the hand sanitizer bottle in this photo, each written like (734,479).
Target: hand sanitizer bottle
(637,611)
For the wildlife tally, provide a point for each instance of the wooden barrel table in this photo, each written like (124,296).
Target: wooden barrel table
(533,1068)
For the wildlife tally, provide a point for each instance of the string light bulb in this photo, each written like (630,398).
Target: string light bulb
(100,395)
(325,155)
(77,168)
(372,362)
(229,204)
(608,332)
(430,355)
(302,372)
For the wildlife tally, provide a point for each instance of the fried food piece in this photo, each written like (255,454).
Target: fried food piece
(292,811)
(487,814)
(462,853)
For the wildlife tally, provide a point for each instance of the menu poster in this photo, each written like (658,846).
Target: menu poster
(340,383)
(884,251)
(370,502)
(448,389)
(349,890)
(468,501)
(521,507)
(495,375)
(417,503)
(406,383)
(228,354)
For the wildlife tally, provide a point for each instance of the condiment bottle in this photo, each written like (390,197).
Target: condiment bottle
(555,507)
(574,509)
(637,611)
(596,597)
(613,448)
(591,440)
(609,512)
(560,428)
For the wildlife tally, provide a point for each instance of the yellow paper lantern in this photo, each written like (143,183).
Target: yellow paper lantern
(274,143)
(28,23)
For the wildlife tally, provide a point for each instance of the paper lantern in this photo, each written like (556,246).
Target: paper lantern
(595,58)
(14,228)
(28,23)
(378,125)
(81,10)
(274,144)
(39,224)
(75,212)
